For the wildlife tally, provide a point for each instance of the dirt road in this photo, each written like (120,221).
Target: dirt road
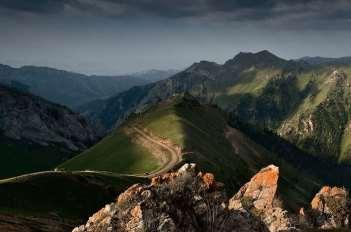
(174,152)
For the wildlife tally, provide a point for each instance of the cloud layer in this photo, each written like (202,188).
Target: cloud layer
(118,36)
(296,13)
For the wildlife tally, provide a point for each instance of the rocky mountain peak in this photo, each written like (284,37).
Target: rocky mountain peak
(260,60)
(205,68)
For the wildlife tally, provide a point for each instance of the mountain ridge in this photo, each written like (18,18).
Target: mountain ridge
(261,89)
(70,88)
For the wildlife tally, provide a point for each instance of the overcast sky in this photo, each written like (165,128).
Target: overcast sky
(122,36)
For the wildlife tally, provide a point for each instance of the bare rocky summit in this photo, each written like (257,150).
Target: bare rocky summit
(30,118)
(189,201)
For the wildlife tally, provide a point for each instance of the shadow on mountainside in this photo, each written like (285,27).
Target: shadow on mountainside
(206,144)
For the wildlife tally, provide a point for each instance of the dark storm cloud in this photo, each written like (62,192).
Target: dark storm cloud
(287,13)
(37,6)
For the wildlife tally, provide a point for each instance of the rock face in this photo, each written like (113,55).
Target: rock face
(330,208)
(29,118)
(190,201)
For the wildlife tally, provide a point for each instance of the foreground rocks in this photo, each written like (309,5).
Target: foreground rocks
(189,201)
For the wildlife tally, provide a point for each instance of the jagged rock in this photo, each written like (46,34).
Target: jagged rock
(258,196)
(330,208)
(261,189)
(178,201)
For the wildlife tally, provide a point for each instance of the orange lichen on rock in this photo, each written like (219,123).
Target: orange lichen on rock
(261,188)
(209,181)
(326,191)
(129,193)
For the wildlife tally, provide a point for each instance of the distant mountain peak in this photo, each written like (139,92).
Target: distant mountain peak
(261,59)
(206,68)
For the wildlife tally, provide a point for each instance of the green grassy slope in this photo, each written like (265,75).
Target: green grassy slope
(319,124)
(250,81)
(64,195)
(308,106)
(115,153)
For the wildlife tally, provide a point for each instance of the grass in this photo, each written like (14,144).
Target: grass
(19,158)
(253,81)
(63,194)
(115,153)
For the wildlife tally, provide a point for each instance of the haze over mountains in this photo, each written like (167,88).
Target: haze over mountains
(73,89)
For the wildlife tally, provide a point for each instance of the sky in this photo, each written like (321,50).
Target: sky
(111,37)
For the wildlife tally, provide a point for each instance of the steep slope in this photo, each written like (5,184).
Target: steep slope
(37,134)
(67,88)
(56,201)
(319,124)
(200,134)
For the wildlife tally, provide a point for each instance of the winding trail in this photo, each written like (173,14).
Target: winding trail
(175,152)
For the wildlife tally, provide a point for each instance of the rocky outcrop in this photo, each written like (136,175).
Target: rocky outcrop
(30,118)
(259,197)
(189,201)
(330,208)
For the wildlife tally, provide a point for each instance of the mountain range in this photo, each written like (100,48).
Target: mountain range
(73,89)
(304,103)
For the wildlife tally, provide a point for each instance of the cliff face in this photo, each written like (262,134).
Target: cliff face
(190,201)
